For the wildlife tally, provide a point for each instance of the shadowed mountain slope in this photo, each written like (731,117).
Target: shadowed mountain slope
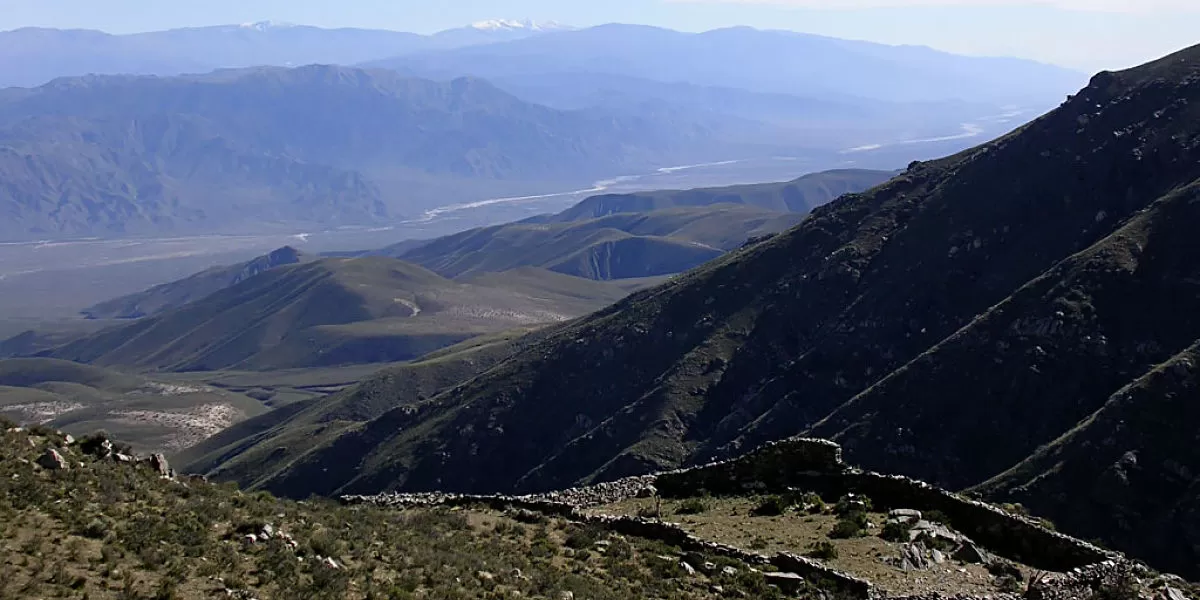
(944,325)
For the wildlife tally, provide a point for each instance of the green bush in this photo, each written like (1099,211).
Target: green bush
(850,525)
(580,538)
(771,506)
(895,531)
(851,503)
(692,506)
(823,550)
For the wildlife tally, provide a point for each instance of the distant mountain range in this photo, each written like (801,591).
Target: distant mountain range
(150,151)
(123,154)
(1018,320)
(778,62)
(33,56)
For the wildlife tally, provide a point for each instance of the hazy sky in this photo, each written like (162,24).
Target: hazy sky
(1086,34)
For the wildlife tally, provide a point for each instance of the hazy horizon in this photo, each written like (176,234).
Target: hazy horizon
(1089,36)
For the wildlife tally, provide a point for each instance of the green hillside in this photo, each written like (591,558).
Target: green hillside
(336,311)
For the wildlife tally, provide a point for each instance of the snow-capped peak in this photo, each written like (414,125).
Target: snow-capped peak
(512,25)
(266,25)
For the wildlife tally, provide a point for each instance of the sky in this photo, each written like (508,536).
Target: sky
(1084,34)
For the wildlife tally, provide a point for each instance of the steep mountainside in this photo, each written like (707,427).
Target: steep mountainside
(203,284)
(336,311)
(944,325)
(125,154)
(257,448)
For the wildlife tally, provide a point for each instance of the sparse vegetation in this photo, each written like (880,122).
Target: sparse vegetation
(112,530)
(824,550)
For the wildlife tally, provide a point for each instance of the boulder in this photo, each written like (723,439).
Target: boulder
(970,553)
(905,514)
(788,582)
(53,461)
(913,557)
(158,462)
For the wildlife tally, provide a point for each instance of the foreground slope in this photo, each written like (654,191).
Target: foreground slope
(337,311)
(827,327)
(107,529)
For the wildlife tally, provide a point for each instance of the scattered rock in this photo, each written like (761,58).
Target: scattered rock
(53,461)
(905,513)
(332,564)
(970,553)
(729,571)
(687,568)
(566,596)
(250,539)
(913,557)
(1170,593)
(122,457)
(485,576)
(788,582)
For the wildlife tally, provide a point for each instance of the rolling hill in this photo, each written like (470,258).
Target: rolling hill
(151,415)
(612,236)
(1019,316)
(647,234)
(800,195)
(337,311)
(198,286)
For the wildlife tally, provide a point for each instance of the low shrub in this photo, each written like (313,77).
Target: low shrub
(692,506)
(771,506)
(850,525)
(823,550)
(895,531)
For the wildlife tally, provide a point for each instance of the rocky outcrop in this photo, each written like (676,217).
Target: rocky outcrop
(809,465)
(773,466)
(53,461)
